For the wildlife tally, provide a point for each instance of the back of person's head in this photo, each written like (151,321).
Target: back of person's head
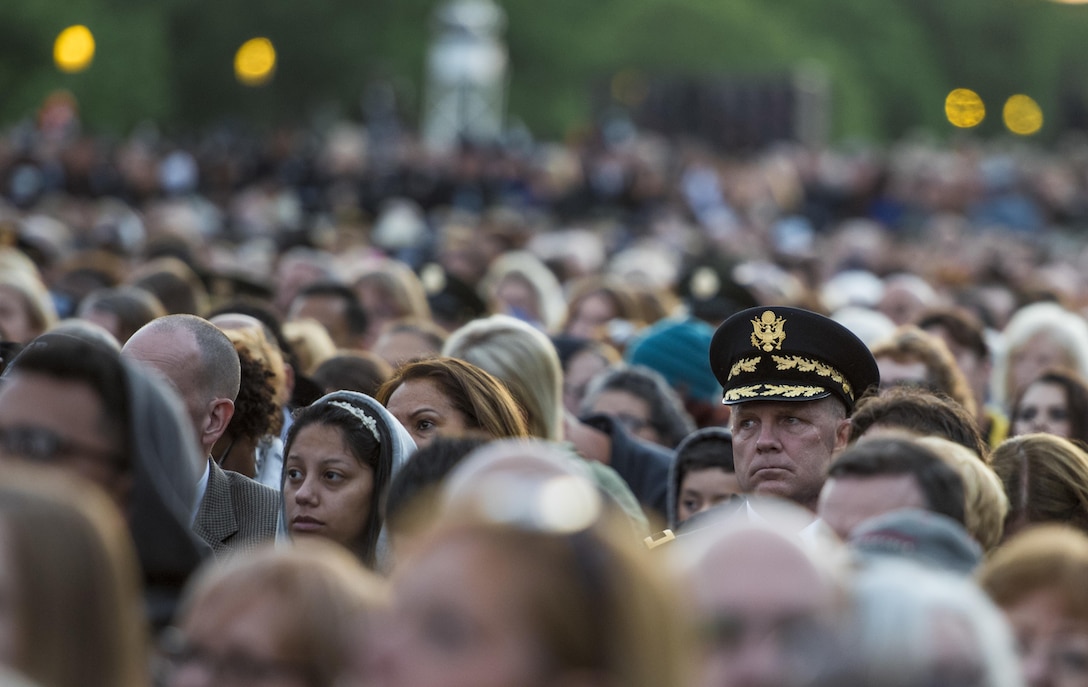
(32,298)
(256,412)
(960,326)
(265,313)
(311,341)
(667,415)
(1049,557)
(217,369)
(919,412)
(412,501)
(356,320)
(360,371)
(267,355)
(175,284)
(985,502)
(71,584)
(122,310)
(909,344)
(939,483)
(524,359)
(306,603)
(896,633)
(1046,480)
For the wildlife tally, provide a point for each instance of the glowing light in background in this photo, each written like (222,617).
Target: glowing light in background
(964,108)
(255,62)
(1022,115)
(74,49)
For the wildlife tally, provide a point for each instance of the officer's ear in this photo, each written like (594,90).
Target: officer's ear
(842,434)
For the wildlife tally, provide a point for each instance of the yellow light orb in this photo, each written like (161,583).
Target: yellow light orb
(1022,115)
(74,49)
(964,108)
(255,62)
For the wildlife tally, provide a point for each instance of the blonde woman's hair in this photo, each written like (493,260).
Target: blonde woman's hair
(985,503)
(78,608)
(1048,557)
(524,359)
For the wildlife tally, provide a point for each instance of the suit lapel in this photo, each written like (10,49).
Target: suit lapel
(215,522)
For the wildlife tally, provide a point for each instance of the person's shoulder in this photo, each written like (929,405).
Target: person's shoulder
(250,489)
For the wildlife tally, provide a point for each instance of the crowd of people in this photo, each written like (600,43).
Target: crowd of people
(331,409)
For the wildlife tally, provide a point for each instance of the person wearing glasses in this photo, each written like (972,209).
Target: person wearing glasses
(74,405)
(276,617)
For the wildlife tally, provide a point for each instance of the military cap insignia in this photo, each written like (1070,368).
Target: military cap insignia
(821,357)
(769,331)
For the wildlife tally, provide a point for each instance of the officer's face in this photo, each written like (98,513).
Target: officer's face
(784,448)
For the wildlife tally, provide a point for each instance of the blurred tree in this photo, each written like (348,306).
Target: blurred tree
(891,63)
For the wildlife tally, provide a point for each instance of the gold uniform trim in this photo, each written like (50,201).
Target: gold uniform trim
(745,365)
(808,365)
(782,390)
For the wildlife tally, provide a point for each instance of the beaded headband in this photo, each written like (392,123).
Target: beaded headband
(370,423)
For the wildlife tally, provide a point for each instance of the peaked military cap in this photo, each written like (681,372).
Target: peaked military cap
(777,353)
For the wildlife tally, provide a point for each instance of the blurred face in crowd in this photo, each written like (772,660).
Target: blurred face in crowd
(1053,646)
(784,448)
(398,347)
(459,622)
(629,410)
(846,502)
(756,595)
(329,311)
(243,644)
(326,489)
(703,489)
(44,419)
(515,296)
(581,368)
(15,324)
(905,373)
(1030,360)
(421,407)
(590,315)
(1043,408)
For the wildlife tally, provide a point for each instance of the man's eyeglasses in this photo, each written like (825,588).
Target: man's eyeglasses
(178,655)
(41,445)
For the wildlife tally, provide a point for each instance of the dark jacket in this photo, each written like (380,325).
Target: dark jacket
(642,465)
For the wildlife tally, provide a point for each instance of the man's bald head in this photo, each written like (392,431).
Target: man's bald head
(200,362)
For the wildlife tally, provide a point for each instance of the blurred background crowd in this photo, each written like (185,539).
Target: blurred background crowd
(364,402)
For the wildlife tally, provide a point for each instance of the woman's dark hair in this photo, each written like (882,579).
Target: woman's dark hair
(1076,400)
(360,371)
(412,490)
(919,411)
(366,449)
(255,405)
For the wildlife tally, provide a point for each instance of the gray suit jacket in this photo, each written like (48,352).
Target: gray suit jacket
(236,513)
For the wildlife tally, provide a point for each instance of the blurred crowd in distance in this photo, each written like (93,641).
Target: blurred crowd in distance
(325,407)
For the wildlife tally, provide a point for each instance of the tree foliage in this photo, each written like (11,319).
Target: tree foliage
(891,63)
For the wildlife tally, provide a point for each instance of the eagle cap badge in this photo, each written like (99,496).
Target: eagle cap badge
(769,331)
